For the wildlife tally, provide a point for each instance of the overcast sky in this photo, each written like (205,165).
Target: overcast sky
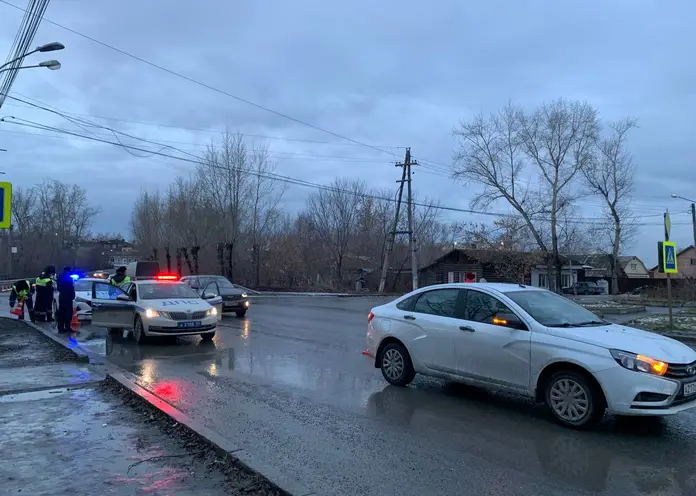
(390,73)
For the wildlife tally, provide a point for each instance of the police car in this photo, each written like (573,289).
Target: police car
(83,297)
(162,306)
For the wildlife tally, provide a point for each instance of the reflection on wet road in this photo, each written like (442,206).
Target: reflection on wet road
(289,384)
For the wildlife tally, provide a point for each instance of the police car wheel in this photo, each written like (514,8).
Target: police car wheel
(138,331)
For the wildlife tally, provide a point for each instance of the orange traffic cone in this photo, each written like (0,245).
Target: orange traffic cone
(75,322)
(18,309)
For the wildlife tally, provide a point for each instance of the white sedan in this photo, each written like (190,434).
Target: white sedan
(157,307)
(531,341)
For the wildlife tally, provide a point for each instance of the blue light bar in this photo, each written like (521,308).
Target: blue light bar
(74,277)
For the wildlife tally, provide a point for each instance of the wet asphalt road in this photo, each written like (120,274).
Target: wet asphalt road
(289,384)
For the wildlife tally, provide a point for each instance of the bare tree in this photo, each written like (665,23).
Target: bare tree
(224,175)
(265,197)
(556,141)
(491,152)
(611,176)
(559,139)
(333,213)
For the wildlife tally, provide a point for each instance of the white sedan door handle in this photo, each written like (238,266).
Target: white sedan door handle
(467,329)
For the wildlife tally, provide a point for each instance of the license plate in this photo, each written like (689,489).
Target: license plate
(188,324)
(690,389)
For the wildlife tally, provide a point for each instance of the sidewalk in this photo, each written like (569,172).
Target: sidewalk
(63,433)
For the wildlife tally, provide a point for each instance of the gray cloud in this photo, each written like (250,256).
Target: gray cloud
(390,73)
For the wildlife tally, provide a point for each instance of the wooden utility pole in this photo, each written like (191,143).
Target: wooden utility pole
(405,179)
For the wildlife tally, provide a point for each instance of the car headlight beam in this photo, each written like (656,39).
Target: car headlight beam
(150,313)
(213,311)
(639,363)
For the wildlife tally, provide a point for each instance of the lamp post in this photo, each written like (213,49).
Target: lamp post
(693,213)
(48,47)
(52,65)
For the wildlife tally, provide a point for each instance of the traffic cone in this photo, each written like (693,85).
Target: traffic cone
(75,322)
(18,309)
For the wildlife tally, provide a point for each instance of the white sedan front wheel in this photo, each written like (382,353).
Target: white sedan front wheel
(573,399)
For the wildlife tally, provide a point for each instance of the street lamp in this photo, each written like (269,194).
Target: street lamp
(48,47)
(693,213)
(52,65)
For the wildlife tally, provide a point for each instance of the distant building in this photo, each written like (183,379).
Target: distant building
(629,266)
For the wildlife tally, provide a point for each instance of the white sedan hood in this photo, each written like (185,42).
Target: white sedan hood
(176,304)
(629,339)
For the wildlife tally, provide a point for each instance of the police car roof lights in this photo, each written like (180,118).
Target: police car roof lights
(166,277)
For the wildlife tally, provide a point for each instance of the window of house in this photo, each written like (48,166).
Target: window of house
(438,302)
(461,276)
(634,266)
(566,280)
(693,261)
(543,281)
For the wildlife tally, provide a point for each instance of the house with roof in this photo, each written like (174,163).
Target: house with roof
(599,265)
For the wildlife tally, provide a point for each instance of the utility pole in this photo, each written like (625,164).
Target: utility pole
(693,221)
(405,179)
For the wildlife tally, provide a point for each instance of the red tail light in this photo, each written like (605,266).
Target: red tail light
(166,277)
(370,316)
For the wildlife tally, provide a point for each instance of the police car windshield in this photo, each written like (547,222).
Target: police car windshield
(165,290)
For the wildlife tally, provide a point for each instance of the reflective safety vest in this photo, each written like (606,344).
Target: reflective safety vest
(44,281)
(119,284)
(23,293)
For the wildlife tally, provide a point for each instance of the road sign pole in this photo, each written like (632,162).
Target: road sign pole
(669,301)
(673,266)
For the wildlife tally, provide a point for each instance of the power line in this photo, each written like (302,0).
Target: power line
(299,182)
(204,130)
(206,85)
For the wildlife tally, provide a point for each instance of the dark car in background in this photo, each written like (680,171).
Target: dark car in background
(234,298)
(584,288)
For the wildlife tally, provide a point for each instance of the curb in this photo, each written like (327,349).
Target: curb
(617,310)
(80,355)
(222,446)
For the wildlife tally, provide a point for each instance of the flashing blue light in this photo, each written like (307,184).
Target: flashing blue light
(74,277)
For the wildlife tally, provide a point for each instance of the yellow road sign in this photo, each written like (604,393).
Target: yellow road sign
(5,205)
(669,257)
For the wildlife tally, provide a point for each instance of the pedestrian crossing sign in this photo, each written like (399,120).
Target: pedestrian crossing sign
(669,257)
(5,205)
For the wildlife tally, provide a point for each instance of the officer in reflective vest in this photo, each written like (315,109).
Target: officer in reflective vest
(120,278)
(45,286)
(21,290)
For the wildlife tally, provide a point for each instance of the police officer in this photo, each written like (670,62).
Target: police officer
(120,278)
(45,286)
(66,296)
(23,290)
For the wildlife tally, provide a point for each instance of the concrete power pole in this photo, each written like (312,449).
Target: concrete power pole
(405,179)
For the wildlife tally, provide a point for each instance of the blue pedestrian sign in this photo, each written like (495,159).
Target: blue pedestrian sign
(669,257)
(5,205)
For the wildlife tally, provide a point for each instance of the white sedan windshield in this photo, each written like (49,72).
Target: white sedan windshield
(552,310)
(165,290)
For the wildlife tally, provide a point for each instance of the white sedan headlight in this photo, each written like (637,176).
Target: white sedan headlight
(639,363)
(211,312)
(150,313)
(244,295)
